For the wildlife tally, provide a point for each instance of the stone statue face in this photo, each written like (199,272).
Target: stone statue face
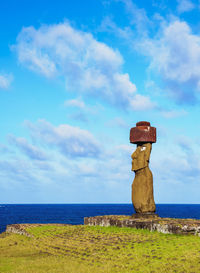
(140,158)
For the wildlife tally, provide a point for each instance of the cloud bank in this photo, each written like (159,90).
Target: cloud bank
(69,140)
(88,66)
(185,6)
(30,150)
(175,55)
(65,159)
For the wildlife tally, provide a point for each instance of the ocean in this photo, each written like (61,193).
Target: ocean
(74,213)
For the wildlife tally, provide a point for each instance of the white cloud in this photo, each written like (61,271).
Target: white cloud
(185,6)
(87,65)
(5,81)
(182,159)
(138,16)
(105,178)
(82,112)
(71,141)
(79,103)
(174,50)
(107,25)
(176,56)
(30,150)
(16,171)
(142,102)
(66,175)
(176,170)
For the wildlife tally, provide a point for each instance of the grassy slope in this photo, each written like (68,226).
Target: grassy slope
(78,249)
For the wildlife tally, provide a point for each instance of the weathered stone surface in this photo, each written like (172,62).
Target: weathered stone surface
(18,229)
(142,187)
(163,225)
(143,132)
(22,228)
(148,215)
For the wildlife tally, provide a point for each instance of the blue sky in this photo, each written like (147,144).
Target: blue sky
(75,76)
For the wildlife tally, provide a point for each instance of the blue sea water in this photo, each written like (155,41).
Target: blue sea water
(74,213)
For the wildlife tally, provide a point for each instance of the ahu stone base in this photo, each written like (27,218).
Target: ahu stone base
(154,223)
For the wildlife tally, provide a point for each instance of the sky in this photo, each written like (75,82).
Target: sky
(75,76)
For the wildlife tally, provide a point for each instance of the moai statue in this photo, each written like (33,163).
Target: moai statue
(142,188)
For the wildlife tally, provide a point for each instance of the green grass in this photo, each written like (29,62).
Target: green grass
(80,249)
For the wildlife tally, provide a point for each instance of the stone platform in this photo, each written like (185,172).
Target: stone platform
(154,223)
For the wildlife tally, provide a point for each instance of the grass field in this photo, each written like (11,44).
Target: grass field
(80,249)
